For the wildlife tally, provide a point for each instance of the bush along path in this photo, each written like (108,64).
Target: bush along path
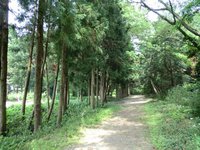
(125,130)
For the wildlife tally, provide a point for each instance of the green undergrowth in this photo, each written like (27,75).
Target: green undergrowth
(174,122)
(78,116)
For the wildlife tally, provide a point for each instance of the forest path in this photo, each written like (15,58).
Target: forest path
(124,131)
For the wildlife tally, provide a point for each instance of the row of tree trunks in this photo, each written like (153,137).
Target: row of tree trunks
(3,65)
(94,91)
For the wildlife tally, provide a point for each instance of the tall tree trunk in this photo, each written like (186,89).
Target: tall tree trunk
(92,103)
(106,86)
(68,94)
(102,88)
(3,71)
(97,87)
(47,80)
(29,69)
(54,92)
(118,91)
(39,61)
(124,88)
(62,86)
(66,83)
(89,90)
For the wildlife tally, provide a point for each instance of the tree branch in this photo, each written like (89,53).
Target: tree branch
(155,11)
(176,17)
(189,38)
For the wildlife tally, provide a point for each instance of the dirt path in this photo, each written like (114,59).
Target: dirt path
(124,131)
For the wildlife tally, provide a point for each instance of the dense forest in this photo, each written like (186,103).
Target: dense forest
(65,60)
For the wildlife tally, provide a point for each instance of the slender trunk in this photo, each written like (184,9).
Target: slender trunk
(48,92)
(89,90)
(106,86)
(54,93)
(45,61)
(97,88)
(102,88)
(38,75)
(29,69)
(44,64)
(129,90)
(92,103)
(66,84)
(81,95)
(154,88)
(62,86)
(30,126)
(68,94)
(3,60)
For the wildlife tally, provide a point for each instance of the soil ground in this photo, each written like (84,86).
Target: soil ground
(124,131)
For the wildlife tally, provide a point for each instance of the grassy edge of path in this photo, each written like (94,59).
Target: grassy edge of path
(70,133)
(171,126)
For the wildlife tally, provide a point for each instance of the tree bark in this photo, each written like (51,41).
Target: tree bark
(65,106)
(106,85)
(89,90)
(102,88)
(3,70)
(39,61)
(62,86)
(54,92)
(47,80)
(119,91)
(97,88)
(92,103)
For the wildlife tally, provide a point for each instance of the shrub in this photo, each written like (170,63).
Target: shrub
(187,95)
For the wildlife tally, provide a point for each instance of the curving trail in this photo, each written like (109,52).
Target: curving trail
(124,131)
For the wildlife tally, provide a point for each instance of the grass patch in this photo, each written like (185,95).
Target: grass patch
(78,116)
(172,127)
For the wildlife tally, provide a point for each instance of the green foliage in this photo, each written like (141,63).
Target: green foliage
(174,122)
(17,56)
(164,61)
(186,95)
(171,127)
(13,96)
